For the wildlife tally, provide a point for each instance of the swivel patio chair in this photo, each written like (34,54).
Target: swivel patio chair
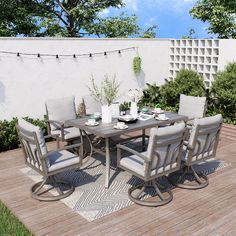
(201,146)
(58,112)
(163,156)
(47,164)
(192,107)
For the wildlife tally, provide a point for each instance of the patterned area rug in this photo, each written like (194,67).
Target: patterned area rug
(91,200)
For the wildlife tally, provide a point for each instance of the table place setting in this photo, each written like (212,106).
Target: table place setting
(161,117)
(91,122)
(120,125)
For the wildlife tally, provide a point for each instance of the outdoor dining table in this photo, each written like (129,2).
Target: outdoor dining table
(107,131)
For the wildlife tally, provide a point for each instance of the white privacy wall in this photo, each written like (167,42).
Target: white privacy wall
(26,82)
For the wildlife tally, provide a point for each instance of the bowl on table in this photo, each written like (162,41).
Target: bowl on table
(127,118)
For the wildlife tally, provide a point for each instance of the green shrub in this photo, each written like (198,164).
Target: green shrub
(8,134)
(151,96)
(187,82)
(223,92)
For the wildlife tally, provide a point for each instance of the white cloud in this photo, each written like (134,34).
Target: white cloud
(170,5)
(104,13)
(131,4)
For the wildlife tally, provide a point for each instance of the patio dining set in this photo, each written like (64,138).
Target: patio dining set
(174,145)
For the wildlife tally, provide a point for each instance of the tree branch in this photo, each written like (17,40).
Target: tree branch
(51,11)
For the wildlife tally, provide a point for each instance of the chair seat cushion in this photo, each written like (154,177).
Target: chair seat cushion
(69,133)
(136,164)
(62,159)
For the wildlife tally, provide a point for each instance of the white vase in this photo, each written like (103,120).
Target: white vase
(115,109)
(134,109)
(106,114)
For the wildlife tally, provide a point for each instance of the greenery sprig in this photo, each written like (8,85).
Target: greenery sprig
(107,92)
(137,65)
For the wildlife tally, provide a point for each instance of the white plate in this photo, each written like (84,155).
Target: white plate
(95,124)
(125,127)
(161,119)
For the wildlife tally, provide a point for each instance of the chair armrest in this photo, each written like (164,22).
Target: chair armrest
(61,149)
(55,136)
(119,146)
(187,145)
(55,121)
(59,123)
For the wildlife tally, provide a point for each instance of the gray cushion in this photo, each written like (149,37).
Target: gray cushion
(164,134)
(62,159)
(33,128)
(136,165)
(69,133)
(211,121)
(192,107)
(61,109)
(39,133)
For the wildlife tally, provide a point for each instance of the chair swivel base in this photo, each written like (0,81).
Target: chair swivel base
(161,200)
(42,194)
(179,178)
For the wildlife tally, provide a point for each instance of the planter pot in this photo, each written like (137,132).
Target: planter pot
(134,109)
(106,114)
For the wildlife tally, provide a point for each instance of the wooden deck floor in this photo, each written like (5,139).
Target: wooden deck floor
(209,211)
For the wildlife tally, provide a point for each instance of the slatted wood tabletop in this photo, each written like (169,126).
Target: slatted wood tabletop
(209,211)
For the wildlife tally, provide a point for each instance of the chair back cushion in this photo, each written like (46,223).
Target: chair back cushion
(192,107)
(29,144)
(60,109)
(165,146)
(204,135)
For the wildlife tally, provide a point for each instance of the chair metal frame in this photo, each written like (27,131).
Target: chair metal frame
(35,160)
(151,180)
(201,180)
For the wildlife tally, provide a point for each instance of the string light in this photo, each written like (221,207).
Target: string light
(67,55)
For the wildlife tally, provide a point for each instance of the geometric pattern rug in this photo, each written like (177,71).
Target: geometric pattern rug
(90,198)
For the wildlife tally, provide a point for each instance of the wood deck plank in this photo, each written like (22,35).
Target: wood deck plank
(209,211)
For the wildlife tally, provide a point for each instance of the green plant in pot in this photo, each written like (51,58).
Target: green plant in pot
(137,65)
(105,94)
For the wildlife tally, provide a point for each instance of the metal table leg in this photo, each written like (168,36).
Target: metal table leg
(107,162)
(143,139)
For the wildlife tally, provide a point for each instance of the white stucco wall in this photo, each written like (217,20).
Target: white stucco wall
(227,52)
(26,81)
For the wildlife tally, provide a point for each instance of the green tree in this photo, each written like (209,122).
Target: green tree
(66,18)
(220,14)
(223,91)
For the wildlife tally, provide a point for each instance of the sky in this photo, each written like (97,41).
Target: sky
(171,16)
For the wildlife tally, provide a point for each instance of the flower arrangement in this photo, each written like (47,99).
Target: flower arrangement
(135,94)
